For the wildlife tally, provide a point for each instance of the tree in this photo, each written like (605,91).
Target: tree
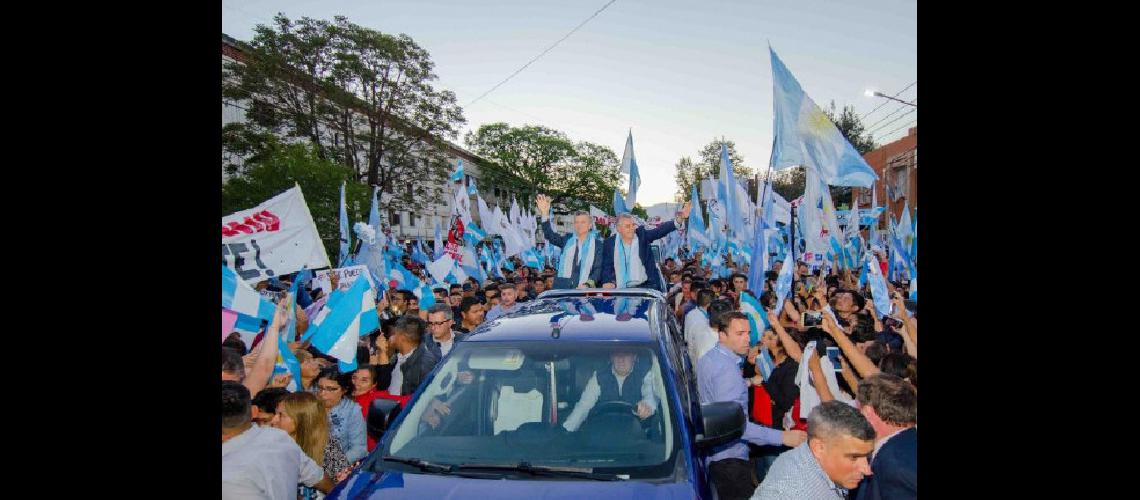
(359,97)
(707,165)
(639,211)
(532,159)
(789,182)
(277,166)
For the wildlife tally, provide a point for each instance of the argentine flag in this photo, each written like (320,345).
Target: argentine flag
(346,317)
(757,322)
(239,297)
(458,174)
(629,166)
(784,282)
(806,136)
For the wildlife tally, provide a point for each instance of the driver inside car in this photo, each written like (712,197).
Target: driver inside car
(625,380)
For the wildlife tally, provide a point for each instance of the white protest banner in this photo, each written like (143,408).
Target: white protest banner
(346,276)
(275,238)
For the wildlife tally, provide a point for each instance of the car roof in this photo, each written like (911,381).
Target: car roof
(613,317)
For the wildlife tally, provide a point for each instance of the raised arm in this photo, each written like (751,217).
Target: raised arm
(860,361)
(818,379)
(790,345)
(258,377)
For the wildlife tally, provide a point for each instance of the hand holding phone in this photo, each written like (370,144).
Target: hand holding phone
(833,356)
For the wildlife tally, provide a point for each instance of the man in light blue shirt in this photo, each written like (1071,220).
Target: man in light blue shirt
(507,296)
(719,378)
(829,464)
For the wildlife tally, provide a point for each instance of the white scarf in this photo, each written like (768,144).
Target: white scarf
(585,257)
(619,261)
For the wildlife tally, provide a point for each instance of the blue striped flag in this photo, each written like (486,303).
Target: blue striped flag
(239,297)
(347,316)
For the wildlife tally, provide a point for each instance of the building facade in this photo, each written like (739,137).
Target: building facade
(896,164)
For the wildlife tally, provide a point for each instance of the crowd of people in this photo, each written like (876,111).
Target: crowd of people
(820,425)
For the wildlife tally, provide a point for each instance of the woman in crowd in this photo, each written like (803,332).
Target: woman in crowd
(345,417)
(302,416)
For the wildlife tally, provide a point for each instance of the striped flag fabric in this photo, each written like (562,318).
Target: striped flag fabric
(764,363)
(239,297)
(347,316)
(757,322)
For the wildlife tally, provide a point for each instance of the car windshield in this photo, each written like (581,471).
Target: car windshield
(594,406)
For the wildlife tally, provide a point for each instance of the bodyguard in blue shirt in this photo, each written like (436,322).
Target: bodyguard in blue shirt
(719,378)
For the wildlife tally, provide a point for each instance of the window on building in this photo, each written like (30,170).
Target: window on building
(412,220)
(394,218)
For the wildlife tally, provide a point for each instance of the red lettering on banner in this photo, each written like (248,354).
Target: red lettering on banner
(259,222)
(272,222)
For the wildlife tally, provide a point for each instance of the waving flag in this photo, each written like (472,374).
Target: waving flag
(441,268)
(806,136)
(878,288)
(471,189)
(629,166)
(403,277)
(726,190)
(348,315)
(239,297)
(345,239)
(619,203)
(764,363)
(784,282)
(418,254)
(437,243)
(757,322)
(458,174)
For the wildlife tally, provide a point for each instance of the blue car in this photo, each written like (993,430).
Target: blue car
(579,394)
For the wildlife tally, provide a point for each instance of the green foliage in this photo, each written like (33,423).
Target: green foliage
(276,167)
(639,211)
(533,159)
(852,128)
(687,172)
(361,98)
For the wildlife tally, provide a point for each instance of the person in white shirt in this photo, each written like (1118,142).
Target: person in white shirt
(699,334)
(261,462)
(625,380)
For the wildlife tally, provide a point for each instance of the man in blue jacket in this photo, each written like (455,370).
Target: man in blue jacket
(891,406)
(581,262)
(627,260)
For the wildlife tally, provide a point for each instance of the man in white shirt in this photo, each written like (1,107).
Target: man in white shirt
(699,334)
(261,462)
(626,380)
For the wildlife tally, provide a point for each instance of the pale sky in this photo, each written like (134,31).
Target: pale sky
(678,73)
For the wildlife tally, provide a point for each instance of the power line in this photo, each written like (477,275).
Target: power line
(900,108)
(865,115)
(548,49)
(897,119)
(900,128)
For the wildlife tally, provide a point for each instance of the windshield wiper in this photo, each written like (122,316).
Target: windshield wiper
(423,465)
(542,470)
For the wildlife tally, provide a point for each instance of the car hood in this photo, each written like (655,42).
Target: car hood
(392,484)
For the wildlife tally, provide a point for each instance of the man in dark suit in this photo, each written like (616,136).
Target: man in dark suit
(627,260)
(581,262)
(891,406)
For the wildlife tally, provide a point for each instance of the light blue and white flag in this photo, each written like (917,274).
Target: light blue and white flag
(878,287)
(471,189)
(726,191)
(806,136)
(438,243)
(619,203)
(458,174)
(239,297)
(764,363)
(784,282)
(629,166)
(403,277)
(345,238)
(757,320)
(348,315)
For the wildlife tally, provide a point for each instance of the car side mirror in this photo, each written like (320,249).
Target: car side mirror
(723,422)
